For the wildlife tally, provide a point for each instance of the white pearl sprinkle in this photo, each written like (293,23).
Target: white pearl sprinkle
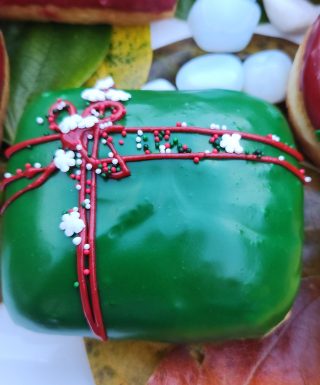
(78,172)
(89,166)
(184,124)
(103,141)
(78,155)
(281,157)
(110,154)
(37,165)
(308,179)
(7,175)
(115,161)
(86,246)
(78,186)
(214,126)
(39,120)
(89,136)
(76,241)
(79,162)
(138,139)
(168,150)
(275,138)
(207,152)
(140,132)
(98,171)
(139,145)
(86,201)
(75,209)
(88,206)
(78,147)
(224,127)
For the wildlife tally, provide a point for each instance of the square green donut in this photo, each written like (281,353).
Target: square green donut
(181,220)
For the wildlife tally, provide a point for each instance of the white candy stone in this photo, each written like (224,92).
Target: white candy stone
(158,85)
(76,241)
(224,26)
(291,16)
(266,75)
(222,71)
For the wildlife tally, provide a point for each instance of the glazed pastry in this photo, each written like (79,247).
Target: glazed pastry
(170,216)
(304,94)
(123,12)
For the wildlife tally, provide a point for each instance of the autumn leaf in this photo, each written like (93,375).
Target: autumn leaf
(129,58)
(4,82)
(288,356)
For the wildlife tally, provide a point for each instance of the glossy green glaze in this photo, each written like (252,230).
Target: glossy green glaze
(185,252)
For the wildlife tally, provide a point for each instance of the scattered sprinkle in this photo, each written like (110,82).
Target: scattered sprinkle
(76,241)
(39,120)
(7,175)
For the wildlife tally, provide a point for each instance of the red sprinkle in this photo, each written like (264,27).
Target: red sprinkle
(86,252)
(88,182)
(167,145)
(178,124)
(113,169)
(302,171)
(104,134)
(168,132)
(27,165)
(184,147)
(124,133)
(110,140)
(166,137)
(121,142)
(147,152)
(86,271)
(77,177)
(212,139)
(156,133)
(72,176)
(215,151)
(157,139)
(196,160)
(88,191)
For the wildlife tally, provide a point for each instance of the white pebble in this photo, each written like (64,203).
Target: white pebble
(76,241)
(39,120)
(266,75)
(222,71)
(223,26)
(291,16)
(158,85)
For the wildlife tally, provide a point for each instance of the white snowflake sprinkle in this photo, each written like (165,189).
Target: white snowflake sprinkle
(93,95)
(117,95)
(70,123)
(104,84)
(88,122)
(71,223)
(231,143)
(63,160)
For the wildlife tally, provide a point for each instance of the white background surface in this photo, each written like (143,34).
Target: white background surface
(28,358)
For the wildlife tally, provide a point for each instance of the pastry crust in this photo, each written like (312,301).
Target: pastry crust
(80,15)
(298,115)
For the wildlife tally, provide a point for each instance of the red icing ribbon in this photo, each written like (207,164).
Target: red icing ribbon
(86,257)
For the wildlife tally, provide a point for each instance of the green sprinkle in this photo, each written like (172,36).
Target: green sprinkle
(145,138)
(76,284)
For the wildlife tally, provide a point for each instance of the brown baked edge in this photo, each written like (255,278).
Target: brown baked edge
(298,115)
(74,15)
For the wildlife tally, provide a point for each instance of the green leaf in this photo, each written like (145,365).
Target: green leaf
(49,57)
(183,8)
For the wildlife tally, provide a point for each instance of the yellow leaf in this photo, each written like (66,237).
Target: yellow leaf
(129,58)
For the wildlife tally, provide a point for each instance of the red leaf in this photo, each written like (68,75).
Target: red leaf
(288,356)
(4,82)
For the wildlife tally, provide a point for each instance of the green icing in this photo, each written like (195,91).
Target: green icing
(185,252)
